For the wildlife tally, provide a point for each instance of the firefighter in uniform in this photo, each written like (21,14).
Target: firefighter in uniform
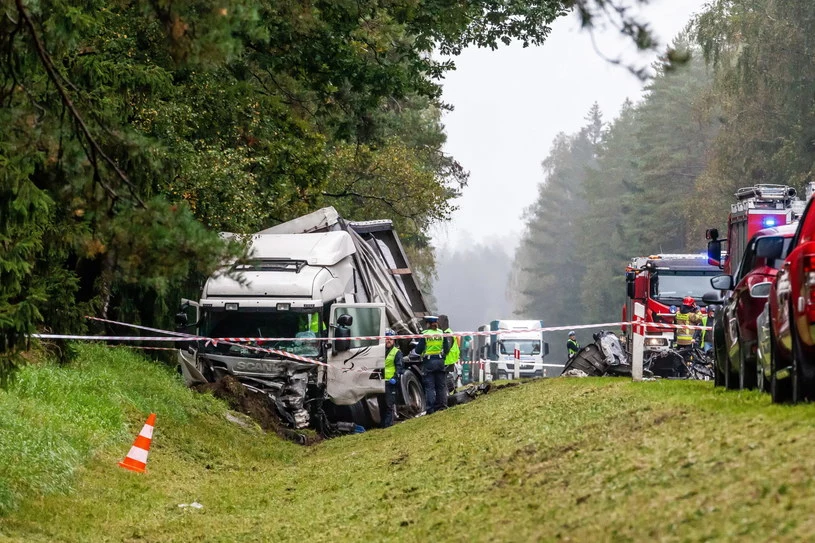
(433,349)
(393,372)
(572,345)
(687,315)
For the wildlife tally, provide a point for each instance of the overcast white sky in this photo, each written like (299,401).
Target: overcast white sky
(512,102)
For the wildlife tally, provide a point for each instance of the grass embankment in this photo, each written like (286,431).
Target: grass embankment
(585,459)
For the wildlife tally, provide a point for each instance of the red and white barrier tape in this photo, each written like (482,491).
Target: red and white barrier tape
(118,338)
(190,337)
(181,337)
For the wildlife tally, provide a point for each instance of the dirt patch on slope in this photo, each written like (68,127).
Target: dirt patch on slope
(256,405)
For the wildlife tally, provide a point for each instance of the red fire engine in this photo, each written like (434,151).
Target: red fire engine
(757,207)
(660,282)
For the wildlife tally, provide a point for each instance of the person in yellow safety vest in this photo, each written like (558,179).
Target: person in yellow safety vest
(455,344)
(309,323)
(687,315)
(433,349)
(393,372)
(451,360)
(572,345)
(703,337)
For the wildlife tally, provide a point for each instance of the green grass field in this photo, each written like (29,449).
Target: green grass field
(558,459)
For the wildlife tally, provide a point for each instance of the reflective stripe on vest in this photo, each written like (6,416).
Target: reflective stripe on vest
(434,343)
(453,354)
(704,332)
(390,363)
(683,335)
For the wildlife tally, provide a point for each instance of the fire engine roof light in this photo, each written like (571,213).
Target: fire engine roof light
(767,222)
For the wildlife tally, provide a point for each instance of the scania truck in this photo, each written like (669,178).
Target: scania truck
(279,320)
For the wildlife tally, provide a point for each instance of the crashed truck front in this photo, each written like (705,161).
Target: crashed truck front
(272,321)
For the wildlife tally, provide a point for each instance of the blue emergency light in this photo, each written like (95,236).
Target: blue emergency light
(767,222)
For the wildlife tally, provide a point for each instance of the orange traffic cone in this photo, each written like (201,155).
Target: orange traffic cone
(136,459)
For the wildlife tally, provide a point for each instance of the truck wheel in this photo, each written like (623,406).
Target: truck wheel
(359,415)
(411,401)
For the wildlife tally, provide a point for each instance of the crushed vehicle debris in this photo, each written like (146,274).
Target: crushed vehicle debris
(607,357)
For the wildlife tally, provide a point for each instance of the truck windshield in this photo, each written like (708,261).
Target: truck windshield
(267,324)
(527,346)
(678,284)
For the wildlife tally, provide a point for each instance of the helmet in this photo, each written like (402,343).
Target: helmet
(431,318)
(688,300)
(389,332)
(571,333)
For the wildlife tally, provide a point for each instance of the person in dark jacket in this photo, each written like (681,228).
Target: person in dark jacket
(393,373)
(433,349)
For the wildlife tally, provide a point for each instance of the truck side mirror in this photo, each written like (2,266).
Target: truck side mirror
(181,319)
(629,283)
(343,330)
(345,320)
(714,253)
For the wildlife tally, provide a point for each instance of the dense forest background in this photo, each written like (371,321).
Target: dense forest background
(740,112)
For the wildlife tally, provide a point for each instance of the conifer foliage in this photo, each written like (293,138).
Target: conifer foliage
(739,113)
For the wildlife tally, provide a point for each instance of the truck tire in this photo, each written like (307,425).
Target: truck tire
(359,414)
(355,413)
(411,401)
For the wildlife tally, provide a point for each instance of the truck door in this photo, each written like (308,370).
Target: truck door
(355,370)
